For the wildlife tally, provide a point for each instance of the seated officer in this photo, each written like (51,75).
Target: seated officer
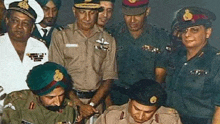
(192,81)
(45,102)
(145,106)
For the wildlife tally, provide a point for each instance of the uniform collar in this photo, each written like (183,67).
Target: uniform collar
(39,27)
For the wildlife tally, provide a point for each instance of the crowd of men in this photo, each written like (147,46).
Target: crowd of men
(86,73)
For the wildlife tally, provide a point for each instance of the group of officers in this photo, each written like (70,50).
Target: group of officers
(82,72)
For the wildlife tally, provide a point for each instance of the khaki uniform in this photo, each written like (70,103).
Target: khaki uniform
(88,60)
(24,106)
(120,115)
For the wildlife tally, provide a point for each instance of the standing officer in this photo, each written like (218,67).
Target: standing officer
(193,77)
(18,51)
(45,102)
(139,45)
(106,14)
(45,28)
(145,106)
(88,53)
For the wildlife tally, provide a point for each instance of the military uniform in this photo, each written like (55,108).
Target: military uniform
(88,60)
(120,115)
(193,86)
(138,58)
(24,107)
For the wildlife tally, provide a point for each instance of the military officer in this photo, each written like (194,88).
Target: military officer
(139,45)
(106,14)
(18,51)
(145,106)
(193,69)
(45,102)
(88,53)
(45,28)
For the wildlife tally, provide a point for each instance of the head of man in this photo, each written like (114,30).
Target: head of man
(50,82)
(86,13)
(106,13)
(135,13)
(20,18)
(146,96)
(50,8)
(194,25)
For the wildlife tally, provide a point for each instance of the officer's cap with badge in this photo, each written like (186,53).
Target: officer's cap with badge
(193,16)
(44,2)
(134,7)
(87,4)
(28,7)
(44,78)
(147,92)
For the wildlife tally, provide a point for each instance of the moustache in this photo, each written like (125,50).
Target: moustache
(55,108)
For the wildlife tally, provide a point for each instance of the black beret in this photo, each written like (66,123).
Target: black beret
(147,92)
(192,16)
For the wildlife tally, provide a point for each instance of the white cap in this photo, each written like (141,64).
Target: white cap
(23,6)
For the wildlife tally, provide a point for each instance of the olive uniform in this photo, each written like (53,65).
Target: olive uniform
(25,107)
(138,58)
(120,115)
(193,86)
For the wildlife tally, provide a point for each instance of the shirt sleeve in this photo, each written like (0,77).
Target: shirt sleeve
(56,50)
(109,66)
(216,94)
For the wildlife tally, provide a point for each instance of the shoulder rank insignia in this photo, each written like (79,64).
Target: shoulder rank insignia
(218,53)
(187,16)
(36,57)
(9,105)
(151,48)
(63,122)
(122,115)
(102,44)
(198,72)
(32,105)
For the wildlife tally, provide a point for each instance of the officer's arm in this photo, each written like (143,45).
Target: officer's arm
(160,74)
(216,117)
(10,112)
(56,48)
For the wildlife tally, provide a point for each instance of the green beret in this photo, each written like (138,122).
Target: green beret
(192,16)
(147,92)
(44,2)
(44,78)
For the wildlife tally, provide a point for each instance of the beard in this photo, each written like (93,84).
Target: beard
(49,21)
(55,108)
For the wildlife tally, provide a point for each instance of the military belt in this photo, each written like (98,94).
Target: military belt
(84,95)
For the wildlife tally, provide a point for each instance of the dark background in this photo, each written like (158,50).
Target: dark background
(162,13)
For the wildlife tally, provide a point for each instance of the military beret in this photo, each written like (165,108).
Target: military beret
(192,16)
(87,4)
(44,2)
(113,1)
(134,7)
(29,7)
(147,92)
(44,78)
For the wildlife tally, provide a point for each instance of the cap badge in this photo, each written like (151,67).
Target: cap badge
(23,4)
(88,1)
(58,75)
(187,16)
(132,1)
(153,99)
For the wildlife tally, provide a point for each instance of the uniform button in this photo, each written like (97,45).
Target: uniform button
(185,63)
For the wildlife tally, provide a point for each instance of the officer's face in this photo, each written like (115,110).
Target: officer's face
(50,14)
(19,26)
(54,98)
(196,36)
(136,22)
(86,18)
(141,113)
(106,14)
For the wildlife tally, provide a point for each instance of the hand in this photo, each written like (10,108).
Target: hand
(87,110)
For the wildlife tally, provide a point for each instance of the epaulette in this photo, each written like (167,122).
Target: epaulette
(14,96)
(41,40)
(60,28)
